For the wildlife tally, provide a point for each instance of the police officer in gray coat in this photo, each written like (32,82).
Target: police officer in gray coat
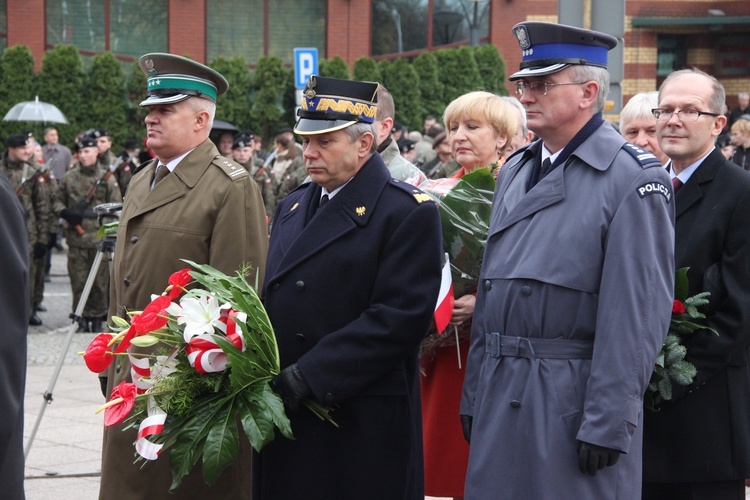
(575,291)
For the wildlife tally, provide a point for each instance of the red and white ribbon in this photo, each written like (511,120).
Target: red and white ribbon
(150,426)
(205,355)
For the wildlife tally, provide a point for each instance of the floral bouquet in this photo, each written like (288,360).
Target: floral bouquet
(215,355)
(671,366)
(465,206)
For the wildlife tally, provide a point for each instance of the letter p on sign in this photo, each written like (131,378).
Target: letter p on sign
(305,65)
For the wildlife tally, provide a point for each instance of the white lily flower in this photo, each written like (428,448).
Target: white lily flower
(200,315)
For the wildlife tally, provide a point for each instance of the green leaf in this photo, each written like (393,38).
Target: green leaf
(256,423)
(222,443)
(681,288)
(187,447)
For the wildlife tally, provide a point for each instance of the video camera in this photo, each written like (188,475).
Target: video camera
(108,211)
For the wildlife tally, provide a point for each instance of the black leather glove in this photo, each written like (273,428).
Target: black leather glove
(40,250)
(73,218)
(51,240)
(592,458)
(103,383)
(291,386)
(466,421)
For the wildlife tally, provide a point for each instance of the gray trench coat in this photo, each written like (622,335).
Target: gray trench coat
(577,286)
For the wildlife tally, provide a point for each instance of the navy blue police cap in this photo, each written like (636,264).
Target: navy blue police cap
(330,104)
(549,48)
(172,79)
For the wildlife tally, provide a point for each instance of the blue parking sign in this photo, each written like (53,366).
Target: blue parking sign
(305,64)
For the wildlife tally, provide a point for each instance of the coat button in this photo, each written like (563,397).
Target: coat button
(526,290)
(275,286)
(300,285)
(487,285)
(300,337)
(134,239)
(328,398)
(515,403)
(126,281)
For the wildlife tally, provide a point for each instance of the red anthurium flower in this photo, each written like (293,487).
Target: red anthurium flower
(177,282)
(678,307)
(98,356)
(153,316)
(120,403)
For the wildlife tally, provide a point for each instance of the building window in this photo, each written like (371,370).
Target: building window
(671,54)
(235,29)
(306,30)
(117,26)
(399,26)
(411,25)
(733,56)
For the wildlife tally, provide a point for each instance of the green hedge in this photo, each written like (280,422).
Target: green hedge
(262,99)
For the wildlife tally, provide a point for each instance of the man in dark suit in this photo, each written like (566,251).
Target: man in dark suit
(352,278)
(14,300)
(698,445)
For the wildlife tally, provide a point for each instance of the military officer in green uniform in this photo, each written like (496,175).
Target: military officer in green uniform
(82,188)
(31,190)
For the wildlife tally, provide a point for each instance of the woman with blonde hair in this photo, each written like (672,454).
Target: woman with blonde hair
(479,125)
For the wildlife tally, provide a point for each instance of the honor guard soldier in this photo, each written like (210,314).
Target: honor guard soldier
(81,189)
(575,291)
(189,202)
(351,284)
(31,189)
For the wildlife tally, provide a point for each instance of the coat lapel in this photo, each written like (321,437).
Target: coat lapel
(351,207)
(692,192)
(175,185)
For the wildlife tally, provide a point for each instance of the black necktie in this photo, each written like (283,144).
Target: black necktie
(546,164)
(676,184)
(323,201)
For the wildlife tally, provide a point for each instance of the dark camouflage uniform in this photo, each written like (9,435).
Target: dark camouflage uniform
(34,197)
(50,228)
(124,172)
(265,183)
(293,176)
(82,248)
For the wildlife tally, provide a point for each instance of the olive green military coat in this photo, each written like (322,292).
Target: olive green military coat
(208,210)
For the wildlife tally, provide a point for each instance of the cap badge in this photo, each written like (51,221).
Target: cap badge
(522,36)
(149,63)
(360,211)
(310,90)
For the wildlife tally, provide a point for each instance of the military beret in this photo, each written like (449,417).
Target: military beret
(549,48)
(172,78)
(130,144)
(99,132)
(330,104)
(87,141)
(405,145)
(242,141)
(16,140)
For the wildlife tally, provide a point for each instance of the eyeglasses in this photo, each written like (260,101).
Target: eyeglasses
(685,115)
(538,87)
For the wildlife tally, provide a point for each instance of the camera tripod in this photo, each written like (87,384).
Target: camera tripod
(106,249)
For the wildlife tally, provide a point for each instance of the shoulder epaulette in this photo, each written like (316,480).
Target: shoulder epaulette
(645,158)
(232,169)
(414,192)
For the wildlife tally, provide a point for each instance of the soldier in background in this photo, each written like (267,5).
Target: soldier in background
(31,190)
(129,162)
(41,263)
(82,188)
(243,150)
(107,159)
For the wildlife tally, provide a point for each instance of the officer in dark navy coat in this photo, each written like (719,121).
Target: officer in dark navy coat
(352,279)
